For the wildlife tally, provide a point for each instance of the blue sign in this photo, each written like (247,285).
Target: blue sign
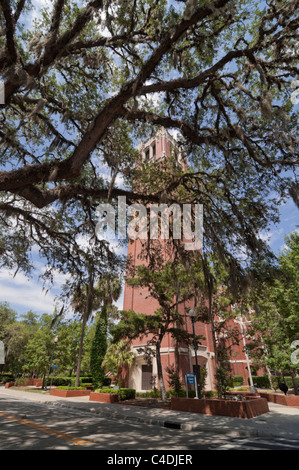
(190,378)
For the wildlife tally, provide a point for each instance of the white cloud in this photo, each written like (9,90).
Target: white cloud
(25,294)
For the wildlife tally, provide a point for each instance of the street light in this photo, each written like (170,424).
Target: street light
(54,346)
(243,334)
(192,315)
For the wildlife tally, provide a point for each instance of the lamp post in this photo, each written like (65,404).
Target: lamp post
(54,346)
(192,315)
(243,334)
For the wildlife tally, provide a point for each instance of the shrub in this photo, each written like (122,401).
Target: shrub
(107,381)
(107,390)
(70,388)
(174,381)
(238,380)
(98,350)
(260,381)
(70,381)
(289,381)
(124,393)
(86,379)
(149,394)
(127,393)
(63,381)
(6,378)
(209,394)
(21,381)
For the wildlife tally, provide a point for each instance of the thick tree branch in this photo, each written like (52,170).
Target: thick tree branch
(72,166)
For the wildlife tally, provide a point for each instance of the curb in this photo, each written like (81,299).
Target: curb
(234,433)
(166,424)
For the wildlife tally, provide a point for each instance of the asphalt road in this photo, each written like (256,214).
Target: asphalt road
(35,426)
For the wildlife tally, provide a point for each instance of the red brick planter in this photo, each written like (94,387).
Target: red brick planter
(27,383)
(104,397)
(287,400)
(69,393)
(9,384)
(248,408)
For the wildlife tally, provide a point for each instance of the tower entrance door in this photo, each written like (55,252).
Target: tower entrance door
(146,379)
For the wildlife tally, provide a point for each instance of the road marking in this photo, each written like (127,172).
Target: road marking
(45,429)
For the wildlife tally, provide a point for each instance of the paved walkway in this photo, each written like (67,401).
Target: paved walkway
(280,421)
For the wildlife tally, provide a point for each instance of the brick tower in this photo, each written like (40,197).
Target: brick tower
(142,376)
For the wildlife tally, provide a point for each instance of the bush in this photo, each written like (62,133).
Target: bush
(288,380)
(107,381)
(70,381)
(238,380)
(127,393)
(6,378)
(63,381)
(149,394)
(98,350)
(176,393)
(107,390)
(124,393)
(22,381)
(70,388)
(174,381)
(260,381)
(209,394)
(86,379)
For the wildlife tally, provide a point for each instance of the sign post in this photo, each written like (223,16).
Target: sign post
(54,368)
(190,380)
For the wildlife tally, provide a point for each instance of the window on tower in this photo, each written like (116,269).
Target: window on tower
(154,150)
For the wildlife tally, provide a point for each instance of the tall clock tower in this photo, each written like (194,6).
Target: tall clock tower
(142,376)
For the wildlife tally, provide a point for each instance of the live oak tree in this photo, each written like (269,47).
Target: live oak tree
(87,79)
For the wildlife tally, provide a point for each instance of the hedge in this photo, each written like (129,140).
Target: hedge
(260,381)
(6,378)
(238,380)
(70,381)
(124,393)
(70,388)
(288,380)
(149,394)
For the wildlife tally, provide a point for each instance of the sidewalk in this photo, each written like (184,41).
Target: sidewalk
(281,421)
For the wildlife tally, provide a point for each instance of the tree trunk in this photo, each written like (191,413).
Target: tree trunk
(294,382)
(86,315)
(77,382)
(160,371)
(176,350)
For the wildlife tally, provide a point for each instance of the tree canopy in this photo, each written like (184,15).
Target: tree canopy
(86,80)
(275,318)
